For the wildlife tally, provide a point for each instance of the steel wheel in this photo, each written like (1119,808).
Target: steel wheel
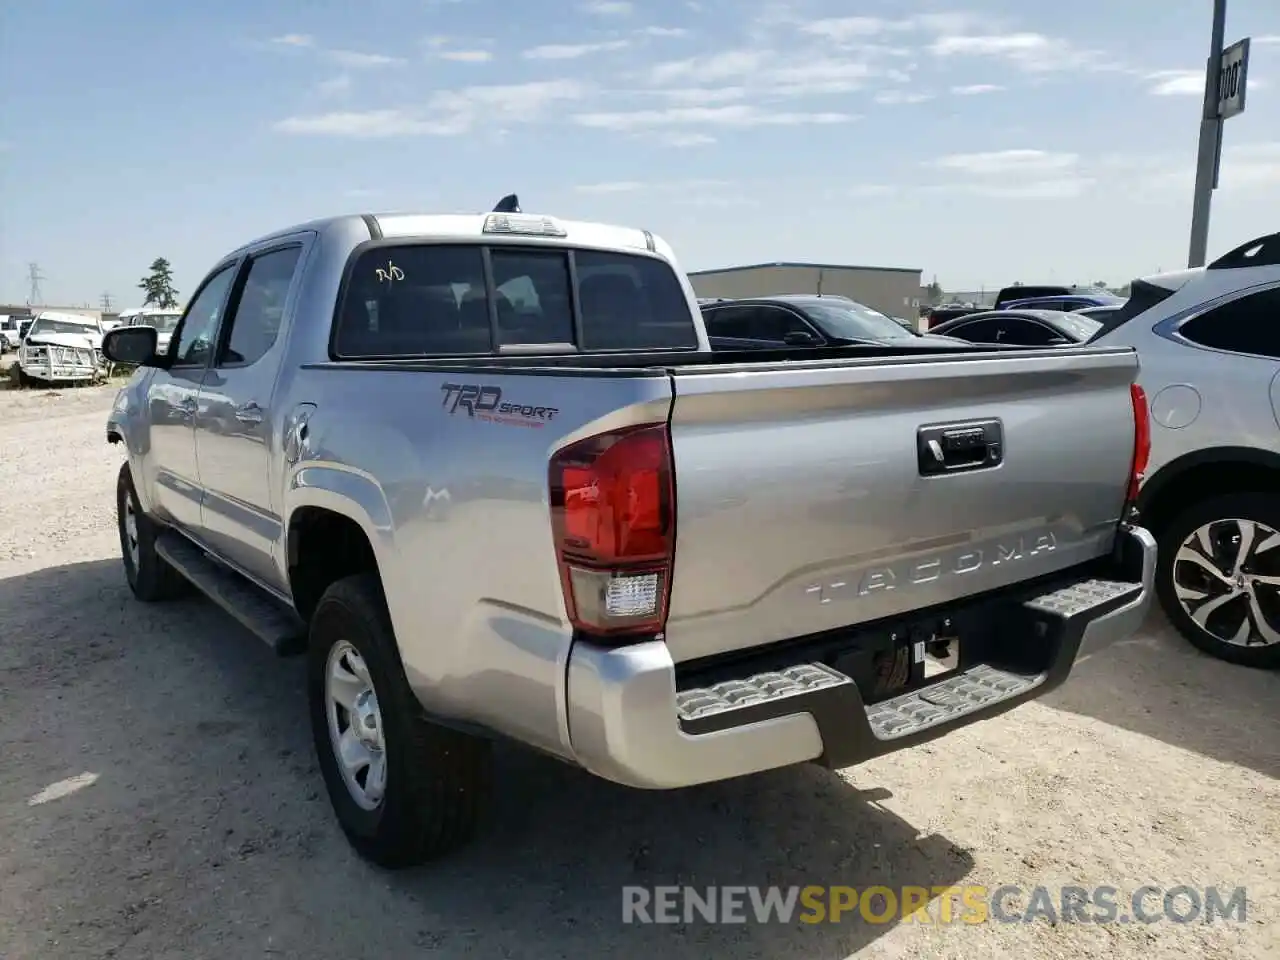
(1226,576)
(355,726)
(131,532)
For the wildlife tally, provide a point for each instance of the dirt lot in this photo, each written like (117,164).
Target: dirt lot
(199,828)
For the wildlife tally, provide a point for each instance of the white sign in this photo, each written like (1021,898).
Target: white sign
(1233,72)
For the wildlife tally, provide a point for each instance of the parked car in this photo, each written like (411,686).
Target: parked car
(601,539)
(10,330)
(805,320)
(1021,327)
(165,322)
(1022,291)
(1076,301)
(61,348)
(940,315)
(1209,343)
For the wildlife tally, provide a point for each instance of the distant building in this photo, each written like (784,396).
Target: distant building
(35,311)
(891,290)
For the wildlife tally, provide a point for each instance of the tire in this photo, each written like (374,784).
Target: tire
(24,380)
(435,780)
(1229,594)
(150,578)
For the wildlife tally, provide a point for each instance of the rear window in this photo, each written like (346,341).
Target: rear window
(431,300)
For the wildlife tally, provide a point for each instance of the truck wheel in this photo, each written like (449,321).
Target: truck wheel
(1218,577)
(150,577)
(404,790)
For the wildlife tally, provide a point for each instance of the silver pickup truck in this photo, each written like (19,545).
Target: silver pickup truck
(487,475)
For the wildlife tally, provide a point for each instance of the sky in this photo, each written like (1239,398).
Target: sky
(984,142)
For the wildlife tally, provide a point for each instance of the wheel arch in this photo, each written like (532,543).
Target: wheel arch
(1200,474)
(330,535)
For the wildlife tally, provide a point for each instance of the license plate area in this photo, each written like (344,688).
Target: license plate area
(907,657)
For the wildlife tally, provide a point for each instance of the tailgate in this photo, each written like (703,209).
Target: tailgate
(807,497)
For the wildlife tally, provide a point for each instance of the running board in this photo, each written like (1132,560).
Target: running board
(262,615)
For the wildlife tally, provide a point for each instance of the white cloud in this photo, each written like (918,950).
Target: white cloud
(1166,83)
(357,59)
(894,97)
(974,89)
(614,186)
(866,191)
(1030,52)
(294,40)
(738,115)
(571,51)
(447,113)
(335,85)
(1006,162)
(1267,38)
(846,28)
(664,32)
(608,8)
(767,73)
(704,95)
(683,140)
(467,56)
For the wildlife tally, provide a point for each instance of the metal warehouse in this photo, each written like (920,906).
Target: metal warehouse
(891,290)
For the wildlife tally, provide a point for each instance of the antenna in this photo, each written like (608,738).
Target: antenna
(508,204)
(34,276)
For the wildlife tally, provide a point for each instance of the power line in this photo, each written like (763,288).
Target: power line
(34,276)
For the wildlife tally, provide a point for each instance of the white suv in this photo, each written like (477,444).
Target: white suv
(1209,344)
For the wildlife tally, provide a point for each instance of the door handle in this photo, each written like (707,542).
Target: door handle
(959,447)
(249,412)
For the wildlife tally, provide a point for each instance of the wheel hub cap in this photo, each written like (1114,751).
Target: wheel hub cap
(355,726)
(1226,576)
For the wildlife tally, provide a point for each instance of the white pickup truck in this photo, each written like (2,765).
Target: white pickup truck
(61,348)
(487,474)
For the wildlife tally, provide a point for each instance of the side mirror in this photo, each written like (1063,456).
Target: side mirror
(799,338)
(135,346)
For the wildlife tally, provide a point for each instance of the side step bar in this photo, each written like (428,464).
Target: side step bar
(266,618)
(852,730)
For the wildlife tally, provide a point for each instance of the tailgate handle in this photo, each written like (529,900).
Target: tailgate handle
(959,447)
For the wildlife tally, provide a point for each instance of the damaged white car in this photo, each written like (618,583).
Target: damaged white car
(61,348)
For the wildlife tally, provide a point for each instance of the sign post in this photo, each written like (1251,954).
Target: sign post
(1225,83)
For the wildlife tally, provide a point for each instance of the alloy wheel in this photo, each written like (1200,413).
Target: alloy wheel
(1226,575)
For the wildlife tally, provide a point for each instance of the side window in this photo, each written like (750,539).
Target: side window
(978,331)
(1026,333)
(419,300)
(532,292)
(732,322)
(200,326)
(774,323)
(255,323)
(1249,324)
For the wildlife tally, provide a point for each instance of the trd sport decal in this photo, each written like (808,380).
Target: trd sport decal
(486,403)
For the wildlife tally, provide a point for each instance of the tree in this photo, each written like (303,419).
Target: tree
(935,291)
(1100,284)
(158,286)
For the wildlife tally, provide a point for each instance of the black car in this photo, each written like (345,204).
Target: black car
(1026,328)
(942,314)
(805,320)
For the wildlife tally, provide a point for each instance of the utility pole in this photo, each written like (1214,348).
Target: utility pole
(107,303)
(1209,154)
(35,296)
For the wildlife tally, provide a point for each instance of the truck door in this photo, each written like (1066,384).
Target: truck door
(235,425)
(169,463)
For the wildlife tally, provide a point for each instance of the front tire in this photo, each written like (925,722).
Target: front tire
(1218,577)
(150,578)
(404,790)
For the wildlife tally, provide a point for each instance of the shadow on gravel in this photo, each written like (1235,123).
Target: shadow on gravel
(1158,685)
(208,832)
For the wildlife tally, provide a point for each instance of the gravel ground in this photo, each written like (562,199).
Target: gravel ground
(198,828)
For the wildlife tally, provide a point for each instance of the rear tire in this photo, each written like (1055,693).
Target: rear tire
(409,790)
(1214,606)
(150,578)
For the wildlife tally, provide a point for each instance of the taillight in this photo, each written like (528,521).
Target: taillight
(613,518)
(1141,440)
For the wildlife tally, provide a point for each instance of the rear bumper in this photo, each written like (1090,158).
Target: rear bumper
(631,721)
